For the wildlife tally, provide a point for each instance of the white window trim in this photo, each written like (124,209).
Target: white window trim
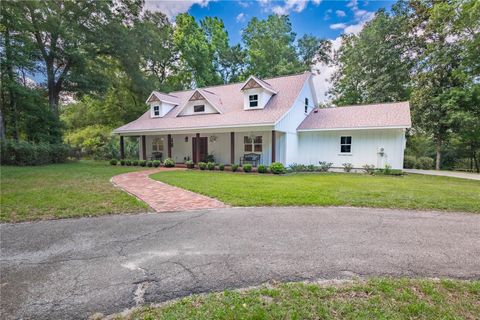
(346,144)
(253,144)
(256,100)
(159,111)
(198,105)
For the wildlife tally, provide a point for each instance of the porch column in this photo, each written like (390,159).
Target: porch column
(169,144)
(274,142)
(232,147)
(122,148)
(197,147)
(144,148)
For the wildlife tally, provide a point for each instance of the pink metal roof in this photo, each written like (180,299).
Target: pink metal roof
(166,97)
(395,114)
(230,98)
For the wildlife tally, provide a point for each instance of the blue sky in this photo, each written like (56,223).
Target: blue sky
(324,19)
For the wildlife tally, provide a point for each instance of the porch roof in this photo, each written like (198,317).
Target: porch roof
(233,113)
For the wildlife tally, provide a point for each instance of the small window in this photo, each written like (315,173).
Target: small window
(253,99)
(345,144)
(156,111)
(199,108)
(306,105)
(157,144)
(253,144)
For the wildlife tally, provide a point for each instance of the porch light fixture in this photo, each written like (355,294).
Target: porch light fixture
(213,138)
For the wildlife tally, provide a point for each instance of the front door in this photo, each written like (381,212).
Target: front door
(203,149)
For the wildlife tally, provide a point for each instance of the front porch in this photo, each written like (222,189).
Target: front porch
(223,147)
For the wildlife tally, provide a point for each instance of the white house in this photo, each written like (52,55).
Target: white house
(275,119)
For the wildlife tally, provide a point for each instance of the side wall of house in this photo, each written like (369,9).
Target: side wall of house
(325,146)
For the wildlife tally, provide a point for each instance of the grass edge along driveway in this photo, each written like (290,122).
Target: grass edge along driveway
(380,298)
(331,189)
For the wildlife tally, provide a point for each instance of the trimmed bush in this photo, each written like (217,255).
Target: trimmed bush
(149,164)
(190,164)
(24,153)
(221,167)
(277,168)
(135,162)
(325,166)
(234,167)
(262,169)
(409,162)
(156,163)
(122,162)
(347,167)
(370,169)
(211,166)
(113,162)
(142,163)
(169,163)
(424,163)
(202,165)
(247,167)
(128,162)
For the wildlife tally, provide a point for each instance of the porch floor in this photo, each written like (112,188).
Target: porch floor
(162,197)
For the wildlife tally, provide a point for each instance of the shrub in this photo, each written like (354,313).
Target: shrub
(221,167)
(409,162)
(277,168)
(202,165)
(370,169)
(262,169)
(425,163)
(325,166)
(135,162)
(211,166)
(149,164)
(234,167)
(347,167)
(156,163)
(128,162)
(169,163)
(295,167)
(142,163)
(247,167)
(311,168)
(113,162)
(24,153)
(122,162)
(190,164)
(210,158)
(387,169)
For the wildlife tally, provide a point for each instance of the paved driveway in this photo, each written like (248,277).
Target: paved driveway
(72,268)
(453,174)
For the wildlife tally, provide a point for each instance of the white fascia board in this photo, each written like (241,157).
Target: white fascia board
(353,128)
(259,127)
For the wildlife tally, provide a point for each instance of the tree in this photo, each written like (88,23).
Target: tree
(313,51)
(374,66)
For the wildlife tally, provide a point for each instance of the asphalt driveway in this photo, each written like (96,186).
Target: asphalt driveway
(71,269)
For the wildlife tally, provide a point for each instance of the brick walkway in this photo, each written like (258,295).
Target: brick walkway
(160,196)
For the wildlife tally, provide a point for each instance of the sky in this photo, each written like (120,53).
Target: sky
(324,19)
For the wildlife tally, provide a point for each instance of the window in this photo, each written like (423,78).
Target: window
(156,111)
(306,105)
(199,108)
(345,144)
(253,144)
(157,144)
(253,99)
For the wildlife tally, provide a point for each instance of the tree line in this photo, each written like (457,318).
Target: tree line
(109,55)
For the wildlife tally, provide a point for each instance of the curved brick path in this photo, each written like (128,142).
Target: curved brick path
(160,196)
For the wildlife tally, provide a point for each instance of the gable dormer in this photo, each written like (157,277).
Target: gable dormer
(256,93)
(201,102)
(161,103)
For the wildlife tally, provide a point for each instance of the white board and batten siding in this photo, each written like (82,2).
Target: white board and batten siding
(318,146)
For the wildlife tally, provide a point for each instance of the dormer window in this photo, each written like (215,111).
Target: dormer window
(253,100)
(156,111)
(199,108)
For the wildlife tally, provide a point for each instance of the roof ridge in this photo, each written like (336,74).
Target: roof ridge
(365,105)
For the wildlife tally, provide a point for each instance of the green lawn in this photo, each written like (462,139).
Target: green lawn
(374,299)
(331,189)
(73,189)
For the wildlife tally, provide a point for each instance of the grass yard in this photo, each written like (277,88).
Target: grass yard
(73,189)
(374,299)
(331,189)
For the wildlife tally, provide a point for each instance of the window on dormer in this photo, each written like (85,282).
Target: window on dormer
(306,105)
(156,111)
(199,108)
(253,99)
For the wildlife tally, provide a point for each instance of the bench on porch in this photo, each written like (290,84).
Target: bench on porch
(251,158)
(156,156)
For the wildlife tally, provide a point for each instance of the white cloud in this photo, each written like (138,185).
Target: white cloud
(243,4)
(240,17)
(171,7)
(337,26)
(292,5)
(340,13)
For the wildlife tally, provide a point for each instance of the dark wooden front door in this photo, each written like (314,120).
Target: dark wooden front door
(203,149)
